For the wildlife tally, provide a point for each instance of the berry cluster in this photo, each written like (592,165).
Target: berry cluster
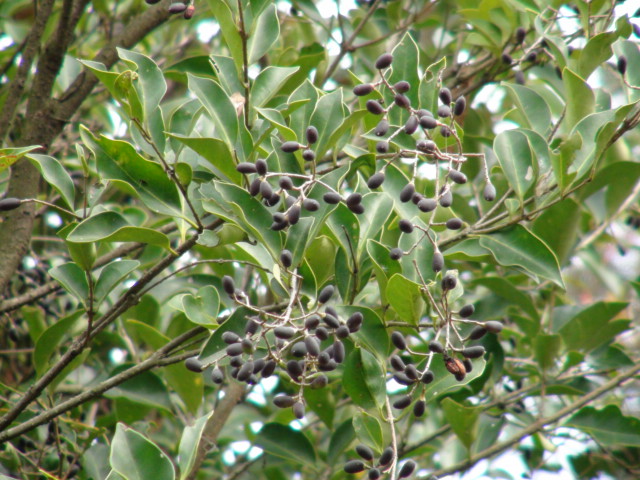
(376,469)
(187,8)
(304,347)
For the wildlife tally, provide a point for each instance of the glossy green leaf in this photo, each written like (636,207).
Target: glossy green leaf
(189,443)
(340,440)
(406,58)
(593,326)
(445,382)
(364,379)
(580,98)
(49,341)
(222,111)
(268,83)
(532,106)
(547,349)
(505,288)
(518,247)
(216,153)
(145,388)
(225,18)
(118,160)
(263,35)
(135,457)
(607,425)
(383,266)
(373,333)
(73,279)
(111,276)
(287,443)
(150,77)
(55,174)
(405,298)
(214,347)
(368,430)
(557,226)
(598,49)
(9,156)
(328,115)
(463,420)
(113,227)
(202,308)
(514,154)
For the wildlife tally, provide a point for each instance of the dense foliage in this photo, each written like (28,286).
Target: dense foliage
(242,239)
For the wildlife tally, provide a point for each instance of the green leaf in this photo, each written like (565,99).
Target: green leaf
(368,430)
(55,174)
(463,420)
(507,290)
(285,442)
(268,83)
(9,156)
(229,28)
(580,98)
(135,457)
(373,334)
(327,117)
(236,205)
(118,160)
(593,326)
(73,279)
(406,58)
(340,440)
(532,106)
(405,298)
(444,382)
(150,76)
(598,49)
(84,254)
(383,266)
(520,248)
(113,227)
(221,110)
(558,226)
(214,348)
(202,308)
(608,426)
(51,338)
(189,443)
(265,32)
(364,379)
(546,349)
(111,276)
(145,388)
(514,154)
(216,153)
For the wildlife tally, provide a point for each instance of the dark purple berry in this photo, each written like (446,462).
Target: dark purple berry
(364,452)
(428,122)
(402,101)
(405,225)
(407,469)
(177,7)
(454,224)
(419,408)
(283,401)
(402,86)
(520,34)
(308,155)
(407,192)
(403,402)
(261,166)
(326,294)
(467,310)
(310,204)
(332,198)
(427,205)
(386,457)
(384,61)
(449,282)
(229,285)
(375,180)
(437,262)
(436,347)
(246,167)
(382,146)
(493,326)
(473,352)
(354,466)
(445,96)
(457,176)
(363,89)
(622,64)
(290,147)
(382,128)
(193,364)
(396,253)
(444,111)
(398,341)
(312,135)
(489,192)
(412,125)
(373,106)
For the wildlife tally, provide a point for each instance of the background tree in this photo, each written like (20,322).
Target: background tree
(391,237)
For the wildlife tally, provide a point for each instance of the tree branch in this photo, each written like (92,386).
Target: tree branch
(539,424)
(159,358)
